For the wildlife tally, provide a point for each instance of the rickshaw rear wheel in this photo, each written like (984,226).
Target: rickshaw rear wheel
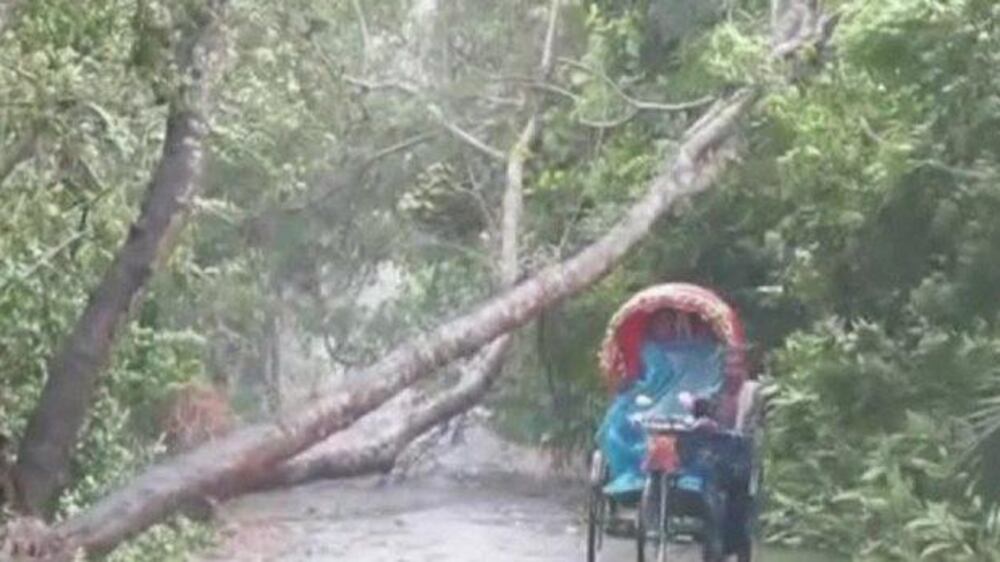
(597,507)
(652,517)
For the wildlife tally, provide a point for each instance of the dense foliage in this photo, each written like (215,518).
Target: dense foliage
(858,240)
(857,235)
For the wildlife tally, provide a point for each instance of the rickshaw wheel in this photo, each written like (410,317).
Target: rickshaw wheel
(597,508)
(652,520)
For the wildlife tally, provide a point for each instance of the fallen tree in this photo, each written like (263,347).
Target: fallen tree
(249,453)
(356,452)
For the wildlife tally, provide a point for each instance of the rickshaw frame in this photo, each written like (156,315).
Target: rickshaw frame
(647,531)
(660,486)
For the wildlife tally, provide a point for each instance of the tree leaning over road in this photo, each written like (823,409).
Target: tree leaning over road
(248,454)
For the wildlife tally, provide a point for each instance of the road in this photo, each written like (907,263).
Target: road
(428,521)
(487,501)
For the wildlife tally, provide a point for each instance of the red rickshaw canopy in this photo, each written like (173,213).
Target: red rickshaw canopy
(620,352)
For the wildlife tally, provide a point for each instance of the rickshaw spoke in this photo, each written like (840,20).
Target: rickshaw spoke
(663,521)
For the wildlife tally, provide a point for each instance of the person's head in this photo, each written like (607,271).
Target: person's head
(661,325)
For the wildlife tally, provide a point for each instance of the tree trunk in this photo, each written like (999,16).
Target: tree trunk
(249,453)
(513,197)
(53,428)
(355,452)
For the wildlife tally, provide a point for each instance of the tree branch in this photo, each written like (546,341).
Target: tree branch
(552,89)
(468,138)
(398,147)
(640,105)
(419,240)
(43,261)
(635,106)
(631,114)
(513,201)
(481,203)
(798,23)
(355,175)
(545,67)
(366,40)
(375,443)
(450,126)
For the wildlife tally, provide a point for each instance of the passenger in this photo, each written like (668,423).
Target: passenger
(622,440)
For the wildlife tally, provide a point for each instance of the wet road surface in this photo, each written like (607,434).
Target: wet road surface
(489,520)
(485,500)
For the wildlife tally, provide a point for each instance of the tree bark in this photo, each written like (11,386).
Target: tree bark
(53,428)
(247,454)
(513,199)
(397,424)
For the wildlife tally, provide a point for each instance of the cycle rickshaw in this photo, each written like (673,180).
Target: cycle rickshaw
(677,457)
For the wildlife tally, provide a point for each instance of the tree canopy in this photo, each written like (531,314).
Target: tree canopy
(356,157)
